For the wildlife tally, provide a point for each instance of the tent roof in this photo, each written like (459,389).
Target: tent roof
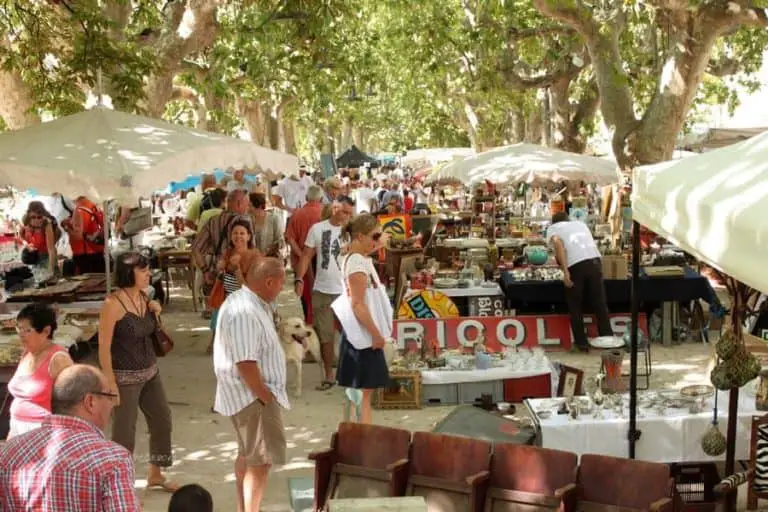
(713,206)
(353,157)
(718,138)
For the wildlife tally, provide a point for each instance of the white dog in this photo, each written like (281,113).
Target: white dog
(297,338)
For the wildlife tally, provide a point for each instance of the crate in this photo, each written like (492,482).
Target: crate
(517,390)
(440,394)
(469,392)
(695,485)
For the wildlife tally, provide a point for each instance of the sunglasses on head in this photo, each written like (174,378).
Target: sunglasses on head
(137,260)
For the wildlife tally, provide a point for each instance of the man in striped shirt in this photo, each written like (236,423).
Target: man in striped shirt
(250,378)
(67,464)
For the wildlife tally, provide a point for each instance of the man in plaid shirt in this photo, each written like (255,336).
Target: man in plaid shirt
(67,464)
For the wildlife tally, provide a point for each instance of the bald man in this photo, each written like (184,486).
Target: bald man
(39,469)
(249,363)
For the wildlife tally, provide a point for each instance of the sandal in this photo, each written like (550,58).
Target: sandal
(325,385)
(165,486)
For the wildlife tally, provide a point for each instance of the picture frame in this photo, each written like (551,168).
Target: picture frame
(570,381)
(402,392)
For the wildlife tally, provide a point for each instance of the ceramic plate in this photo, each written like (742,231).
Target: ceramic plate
(606,342)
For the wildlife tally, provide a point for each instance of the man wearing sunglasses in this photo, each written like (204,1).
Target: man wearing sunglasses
(325,240)
(40,469)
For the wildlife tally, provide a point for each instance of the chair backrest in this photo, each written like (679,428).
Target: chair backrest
(532,469)
(371,446)
(759,454)
(637,483)
(446,457)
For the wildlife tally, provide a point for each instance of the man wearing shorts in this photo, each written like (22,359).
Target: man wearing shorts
(249,363)
(325,240)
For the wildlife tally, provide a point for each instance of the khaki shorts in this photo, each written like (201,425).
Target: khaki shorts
(260,434)
(322,316)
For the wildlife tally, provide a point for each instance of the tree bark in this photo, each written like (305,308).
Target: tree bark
(693,35)
(17,105)
(252,113)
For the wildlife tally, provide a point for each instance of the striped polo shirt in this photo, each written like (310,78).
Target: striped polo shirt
(245,331)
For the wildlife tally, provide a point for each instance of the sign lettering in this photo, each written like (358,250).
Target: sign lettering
(551,332)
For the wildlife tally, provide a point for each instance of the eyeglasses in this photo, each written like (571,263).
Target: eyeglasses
(23,331)
(104,393)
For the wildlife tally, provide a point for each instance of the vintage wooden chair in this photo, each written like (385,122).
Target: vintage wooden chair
(450,472)
(611,484)
(756,475)
(531,479)
(364,461)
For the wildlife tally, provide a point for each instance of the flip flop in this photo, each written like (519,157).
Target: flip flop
(325,385)
(165,486)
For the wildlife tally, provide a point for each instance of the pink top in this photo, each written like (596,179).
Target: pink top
(32,393)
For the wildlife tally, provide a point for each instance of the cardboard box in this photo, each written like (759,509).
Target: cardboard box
(615,267)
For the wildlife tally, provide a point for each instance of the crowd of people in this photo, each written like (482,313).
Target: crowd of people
(61,409)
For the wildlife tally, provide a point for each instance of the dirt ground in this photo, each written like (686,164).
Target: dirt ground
(204,444)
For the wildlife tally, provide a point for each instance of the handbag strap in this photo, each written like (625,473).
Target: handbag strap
(346,281)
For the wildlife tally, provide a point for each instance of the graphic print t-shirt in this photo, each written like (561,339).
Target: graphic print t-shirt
(325,238)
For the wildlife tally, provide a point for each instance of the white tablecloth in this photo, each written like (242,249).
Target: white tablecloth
(674,437)
(498,373)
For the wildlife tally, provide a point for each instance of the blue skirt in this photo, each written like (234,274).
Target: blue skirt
(361,369)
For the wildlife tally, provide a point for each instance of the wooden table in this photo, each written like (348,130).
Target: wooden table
(181,259)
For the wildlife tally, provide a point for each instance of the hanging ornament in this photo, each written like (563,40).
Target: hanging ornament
(713,443)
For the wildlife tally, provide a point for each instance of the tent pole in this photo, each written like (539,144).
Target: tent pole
(730,450)
(634,434)
(106,246)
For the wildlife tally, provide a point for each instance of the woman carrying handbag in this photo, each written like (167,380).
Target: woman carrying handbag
(365,314)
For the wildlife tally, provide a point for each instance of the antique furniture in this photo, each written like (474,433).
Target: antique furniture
(182,260)
(363,461)
(449,472)
(756,476)
(638,485)
(530,479)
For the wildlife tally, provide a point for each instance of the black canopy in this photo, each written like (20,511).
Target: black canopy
(353,157)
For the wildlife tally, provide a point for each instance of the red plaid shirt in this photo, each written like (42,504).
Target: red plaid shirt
(66,465)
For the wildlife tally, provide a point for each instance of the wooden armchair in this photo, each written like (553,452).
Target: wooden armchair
(531,479)
(623,485)
(756,476)
(364,461)
(449,472)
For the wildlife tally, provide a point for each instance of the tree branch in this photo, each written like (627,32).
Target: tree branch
(724,66)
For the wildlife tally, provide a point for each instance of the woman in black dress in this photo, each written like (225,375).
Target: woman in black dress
(362,364)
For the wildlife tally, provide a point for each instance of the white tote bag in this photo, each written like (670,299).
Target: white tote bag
(378,304)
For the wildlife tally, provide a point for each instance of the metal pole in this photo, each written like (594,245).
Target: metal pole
(634,434)
(730,450)
(106,246)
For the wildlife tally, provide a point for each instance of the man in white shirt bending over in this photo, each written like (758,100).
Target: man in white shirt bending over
(579,258)
(325,240)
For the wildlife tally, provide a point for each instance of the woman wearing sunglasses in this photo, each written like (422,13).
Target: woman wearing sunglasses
(40,233)
(127,358)
(365,314)
(32,383)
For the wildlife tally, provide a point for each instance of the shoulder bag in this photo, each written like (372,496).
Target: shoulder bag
(161,340)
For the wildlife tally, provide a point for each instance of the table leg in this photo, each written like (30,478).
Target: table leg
(167,285)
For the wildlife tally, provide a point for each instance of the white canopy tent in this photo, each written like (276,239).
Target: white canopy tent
(529,163)
(103,154)
(419,158)
(714,206)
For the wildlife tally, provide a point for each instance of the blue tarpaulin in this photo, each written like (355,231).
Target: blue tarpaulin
(194,180)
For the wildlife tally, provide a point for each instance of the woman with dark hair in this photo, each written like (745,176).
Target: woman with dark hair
(191,498)
(128,360)
(40,232)
(362,365)
(268,236)
(32,383)
(235,263)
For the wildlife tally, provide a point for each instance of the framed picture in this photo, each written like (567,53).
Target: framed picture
(569,383)
(402,392)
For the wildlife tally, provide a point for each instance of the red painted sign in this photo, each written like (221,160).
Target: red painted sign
(551,332)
